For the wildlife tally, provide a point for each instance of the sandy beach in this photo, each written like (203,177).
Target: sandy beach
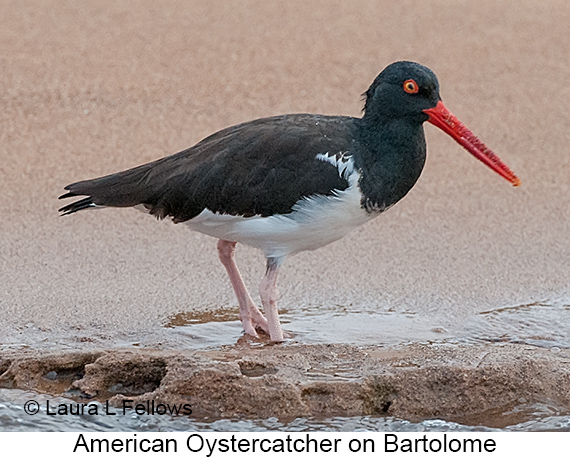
(465,259)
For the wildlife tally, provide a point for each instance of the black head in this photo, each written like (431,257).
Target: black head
(402,90)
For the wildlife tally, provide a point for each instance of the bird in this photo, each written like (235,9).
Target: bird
(293,182)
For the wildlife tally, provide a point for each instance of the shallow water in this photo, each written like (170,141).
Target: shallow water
(537,324)
(13,418)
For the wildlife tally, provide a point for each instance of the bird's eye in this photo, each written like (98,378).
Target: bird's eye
(411,87)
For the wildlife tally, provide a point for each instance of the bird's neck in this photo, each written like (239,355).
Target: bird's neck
(390,160)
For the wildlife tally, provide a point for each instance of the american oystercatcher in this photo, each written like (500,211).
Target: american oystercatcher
(295,182)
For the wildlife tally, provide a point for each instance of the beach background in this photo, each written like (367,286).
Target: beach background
(91,88)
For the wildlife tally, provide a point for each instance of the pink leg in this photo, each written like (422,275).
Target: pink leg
(250,316)
(268,293)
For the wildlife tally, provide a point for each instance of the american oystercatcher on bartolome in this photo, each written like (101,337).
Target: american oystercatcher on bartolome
(295,182)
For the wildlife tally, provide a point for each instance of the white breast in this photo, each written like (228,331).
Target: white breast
(314,222)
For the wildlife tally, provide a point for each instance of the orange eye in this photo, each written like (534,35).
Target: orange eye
(411,87)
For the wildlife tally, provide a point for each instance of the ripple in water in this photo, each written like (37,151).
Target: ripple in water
(537,324)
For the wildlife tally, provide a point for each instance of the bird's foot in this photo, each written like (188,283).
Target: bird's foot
(258,327)
(262,338)
(253,322)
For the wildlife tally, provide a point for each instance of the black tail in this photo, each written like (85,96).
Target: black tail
(76,206)
(127,188)
(146,184)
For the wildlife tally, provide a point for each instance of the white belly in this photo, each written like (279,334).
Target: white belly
(314,222)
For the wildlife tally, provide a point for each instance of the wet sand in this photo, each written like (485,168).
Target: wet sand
(92,89)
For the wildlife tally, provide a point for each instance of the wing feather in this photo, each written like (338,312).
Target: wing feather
(262,167)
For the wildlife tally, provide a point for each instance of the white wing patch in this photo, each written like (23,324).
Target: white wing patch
(341,160)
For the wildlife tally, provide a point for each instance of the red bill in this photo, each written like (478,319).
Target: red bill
(442,118)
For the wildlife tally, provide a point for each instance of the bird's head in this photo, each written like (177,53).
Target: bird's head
(403,89)
(408,90)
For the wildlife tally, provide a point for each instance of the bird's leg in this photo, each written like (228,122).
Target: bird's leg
(250,316)
(268,293)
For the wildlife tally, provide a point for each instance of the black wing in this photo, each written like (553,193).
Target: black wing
(262,167)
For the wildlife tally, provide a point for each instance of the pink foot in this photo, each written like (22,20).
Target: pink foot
(253,320)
